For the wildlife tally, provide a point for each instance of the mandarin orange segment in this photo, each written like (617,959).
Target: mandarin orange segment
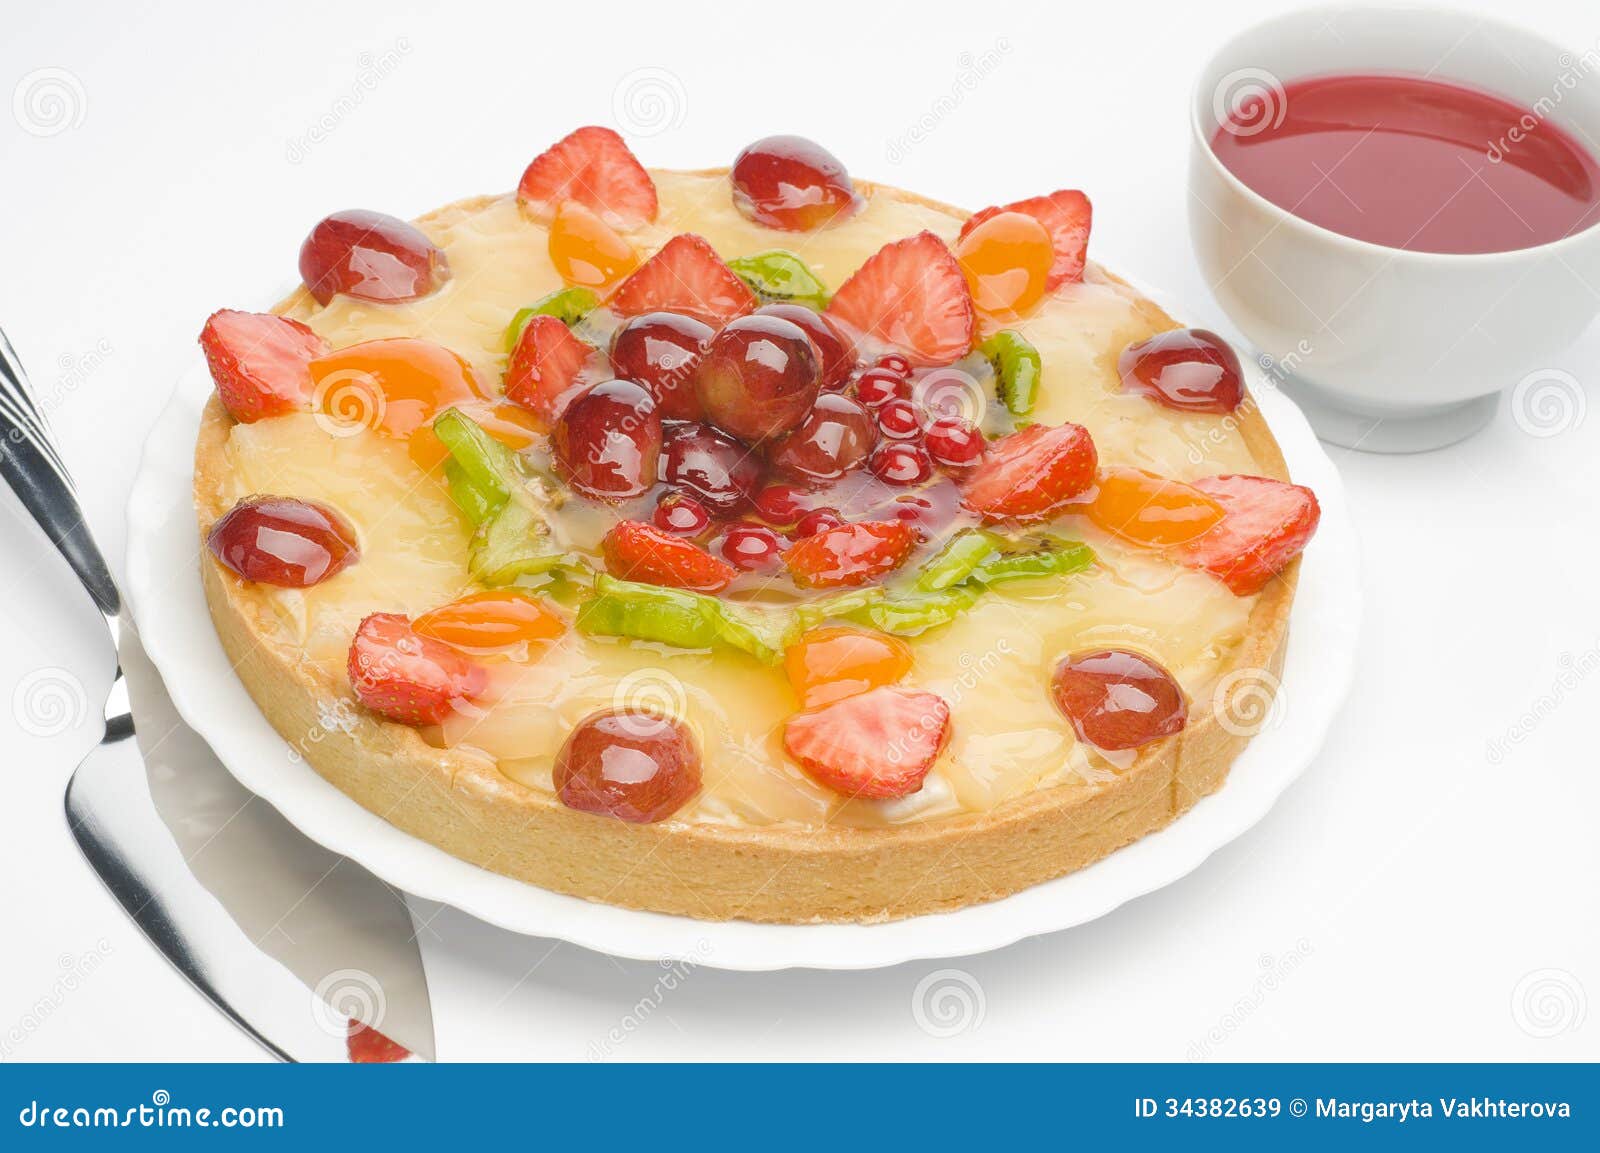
(1151,510)
(828,664)
(1006,261)
(586,250)
(393,386)
(495,619)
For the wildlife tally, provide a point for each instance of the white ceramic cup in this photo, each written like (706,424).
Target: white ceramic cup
(1389,350)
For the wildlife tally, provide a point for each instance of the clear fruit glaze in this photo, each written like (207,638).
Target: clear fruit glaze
(995,667)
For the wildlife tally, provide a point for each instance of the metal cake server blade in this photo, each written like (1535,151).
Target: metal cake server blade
(292,943)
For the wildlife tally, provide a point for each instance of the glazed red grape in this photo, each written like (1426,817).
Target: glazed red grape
(751,547)
(759,378)
(710,465)
(1117,699)
(953,442)
(899,420)
(677,513)
(834,438)
(608,441)
(878,386)
(632,764)
(837,349)
(791,183)
(893,362)
(900,463)
(278,540)
(1189,369)
(660,350)
(371,256)
(818,520)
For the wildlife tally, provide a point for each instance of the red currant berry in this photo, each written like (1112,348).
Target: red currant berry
(953,442)
(899,420)
(677,513)
(878,386)
(901,463)
(818,520)
(751,547)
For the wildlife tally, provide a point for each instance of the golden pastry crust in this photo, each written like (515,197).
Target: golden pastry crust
(459,801)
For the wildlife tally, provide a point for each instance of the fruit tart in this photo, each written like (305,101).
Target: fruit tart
(751,543)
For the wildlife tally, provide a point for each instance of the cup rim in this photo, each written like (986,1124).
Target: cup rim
(1203,142)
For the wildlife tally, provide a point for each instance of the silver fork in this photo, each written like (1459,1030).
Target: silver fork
(108,803)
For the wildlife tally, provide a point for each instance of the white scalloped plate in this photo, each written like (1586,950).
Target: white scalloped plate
(164,587)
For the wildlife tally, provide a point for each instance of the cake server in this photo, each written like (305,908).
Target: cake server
(292,943)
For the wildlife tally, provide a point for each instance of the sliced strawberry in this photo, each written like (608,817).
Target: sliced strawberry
(687,275)
(641,552)
(1266,524)
(1032,474)
(880,743)
(911,294)
(542,375)
(406,676)
(851,554)
(1066,216)
(367,1046)
(261,362)
(594,167)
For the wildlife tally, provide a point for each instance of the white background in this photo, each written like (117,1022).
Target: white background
(1416,895)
